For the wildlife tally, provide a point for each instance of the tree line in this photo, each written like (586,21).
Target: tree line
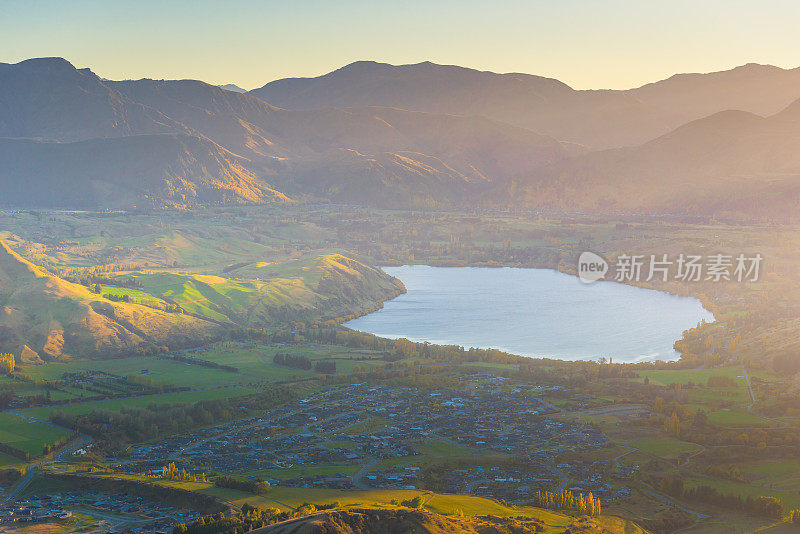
(762,506)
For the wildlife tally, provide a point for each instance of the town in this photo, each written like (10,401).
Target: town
(365,436)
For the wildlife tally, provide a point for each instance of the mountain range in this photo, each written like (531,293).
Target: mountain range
(399,136)
(597,119)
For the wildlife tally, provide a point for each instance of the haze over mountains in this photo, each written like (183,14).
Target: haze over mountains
(397,136)
(595,118)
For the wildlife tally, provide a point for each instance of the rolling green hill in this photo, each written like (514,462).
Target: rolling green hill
(57,318)
(323,286)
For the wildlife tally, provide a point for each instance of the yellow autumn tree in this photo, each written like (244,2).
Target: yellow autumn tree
(672,425)
(7,363)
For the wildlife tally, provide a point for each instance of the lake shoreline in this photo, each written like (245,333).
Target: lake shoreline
(552,296)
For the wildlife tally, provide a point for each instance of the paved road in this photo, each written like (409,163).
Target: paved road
(697,515)
(81,441)
(363,471)
(617,458)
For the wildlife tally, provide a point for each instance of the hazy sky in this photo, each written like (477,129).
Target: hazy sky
(585,43)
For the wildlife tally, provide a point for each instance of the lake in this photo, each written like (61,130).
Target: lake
(533,312)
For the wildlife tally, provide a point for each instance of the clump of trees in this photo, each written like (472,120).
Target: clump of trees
(291,360)
(7,363)
(249,518)
(762,506)
(566,500)
(415,502)
(794,517)
(325,366)
(170,472)
(254,486)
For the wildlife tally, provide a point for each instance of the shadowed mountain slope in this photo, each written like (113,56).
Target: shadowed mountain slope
(471,137)
(49,99)
(409,158)
(731,163)
(136,171)
(595,118)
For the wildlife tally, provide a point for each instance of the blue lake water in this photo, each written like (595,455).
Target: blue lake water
(533,312)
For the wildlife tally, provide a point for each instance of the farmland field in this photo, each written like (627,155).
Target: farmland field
(662,446)
(698,376)
(28,436)
(253,360)
(183,397)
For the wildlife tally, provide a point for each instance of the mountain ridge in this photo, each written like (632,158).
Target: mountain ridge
(271,149)
(597,118)
(75,140)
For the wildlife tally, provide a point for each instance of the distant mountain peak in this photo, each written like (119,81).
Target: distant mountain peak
(232,87)
(53,61)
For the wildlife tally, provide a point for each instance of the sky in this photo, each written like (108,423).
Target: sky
(588,44)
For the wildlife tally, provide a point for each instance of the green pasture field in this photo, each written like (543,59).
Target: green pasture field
(251,357)
(737,416)
(790,498)
(439,448)
(774,474)
(7,461)
(182,397)
(366,426)
(661,446)
(205,295)
(160,370)
(666,377)
(715,396)
(26,435)
(253,360)
(252,368)
(136,295)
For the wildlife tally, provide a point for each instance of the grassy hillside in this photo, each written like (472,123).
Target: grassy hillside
(323,286)
(57,318)
(425,522)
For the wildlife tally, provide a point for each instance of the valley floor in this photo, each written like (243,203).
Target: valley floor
(332,419)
